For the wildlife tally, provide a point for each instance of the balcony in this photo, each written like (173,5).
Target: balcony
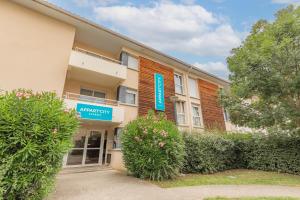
(95,110)
(94,68)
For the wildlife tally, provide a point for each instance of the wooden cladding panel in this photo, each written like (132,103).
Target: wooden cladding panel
(211,110)
(146,87)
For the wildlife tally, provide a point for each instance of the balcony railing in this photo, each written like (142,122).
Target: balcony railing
(91,53)
(90,99)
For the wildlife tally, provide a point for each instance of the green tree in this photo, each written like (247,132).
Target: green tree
(265,75)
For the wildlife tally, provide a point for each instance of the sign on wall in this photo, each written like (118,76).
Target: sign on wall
(159,92)
(93,112)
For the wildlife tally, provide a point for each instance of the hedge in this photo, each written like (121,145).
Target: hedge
(35,132)
(208,153)
(275,152)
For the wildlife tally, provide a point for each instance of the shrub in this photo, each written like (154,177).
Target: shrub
(35,132)
(274,152)
(241,148)
(152,147)
(207,153)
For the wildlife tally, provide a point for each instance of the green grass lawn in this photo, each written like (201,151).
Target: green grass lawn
(252,198)
(234,177)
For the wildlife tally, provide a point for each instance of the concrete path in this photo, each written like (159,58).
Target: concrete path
(113,185)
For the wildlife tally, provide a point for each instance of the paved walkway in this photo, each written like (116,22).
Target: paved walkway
(113,185)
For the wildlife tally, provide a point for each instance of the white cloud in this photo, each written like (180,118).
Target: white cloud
(217,68)
(295,2)
(87,3)
(168,26)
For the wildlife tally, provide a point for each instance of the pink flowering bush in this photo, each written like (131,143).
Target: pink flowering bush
(35,132)
(152,148)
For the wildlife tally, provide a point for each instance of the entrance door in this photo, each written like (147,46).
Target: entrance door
(88,148)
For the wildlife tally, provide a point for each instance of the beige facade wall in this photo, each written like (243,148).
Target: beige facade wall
(117,160)
(34,49)
(132,80)
(189,101)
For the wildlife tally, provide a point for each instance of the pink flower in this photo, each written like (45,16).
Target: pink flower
(161,144)
(164,133)
(19,95)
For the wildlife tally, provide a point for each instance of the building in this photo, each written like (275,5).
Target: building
(108,78)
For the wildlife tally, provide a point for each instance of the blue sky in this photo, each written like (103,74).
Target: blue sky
(199,32)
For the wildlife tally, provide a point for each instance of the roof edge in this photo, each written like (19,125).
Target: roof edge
(84,20)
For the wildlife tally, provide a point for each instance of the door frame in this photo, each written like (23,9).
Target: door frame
(86,133)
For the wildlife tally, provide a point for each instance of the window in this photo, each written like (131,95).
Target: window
(129,61)
(180,110)
(226,115)
(178,84)
(126,95)
(193,88)
(133,63)
(86,94)
(196,115)
(130,96)
(117,138)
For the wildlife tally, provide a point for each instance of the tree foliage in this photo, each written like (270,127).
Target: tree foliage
(265,75)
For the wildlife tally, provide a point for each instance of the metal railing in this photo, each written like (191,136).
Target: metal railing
(91,53)
(79,97)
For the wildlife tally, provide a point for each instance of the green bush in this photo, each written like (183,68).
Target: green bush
(207,153)
(274,152)
(35,132)
(152,148)
(241,148)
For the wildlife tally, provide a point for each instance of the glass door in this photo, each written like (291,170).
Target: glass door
(93,148)
(87,150)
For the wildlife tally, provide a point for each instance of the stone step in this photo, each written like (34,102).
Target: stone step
(83,169)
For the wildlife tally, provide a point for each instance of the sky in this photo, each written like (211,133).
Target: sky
(198,32)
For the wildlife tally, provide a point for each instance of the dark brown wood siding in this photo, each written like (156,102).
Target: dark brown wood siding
(211,110)
(146,87)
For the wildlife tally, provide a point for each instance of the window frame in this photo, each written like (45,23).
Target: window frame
(196,88)
(194,116)
(125,57)
(226,115)
(182,83)
(93,92)
(129,91)
(183,108)
(137,62)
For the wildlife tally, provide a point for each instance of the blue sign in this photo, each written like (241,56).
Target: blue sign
(159,92)
(93,112)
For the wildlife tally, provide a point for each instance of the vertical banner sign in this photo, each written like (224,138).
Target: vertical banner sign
(159,92)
